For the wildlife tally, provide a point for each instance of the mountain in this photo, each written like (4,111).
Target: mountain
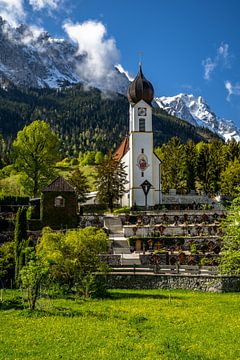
(32,58)
(40,79)
(85,119)
(196,111)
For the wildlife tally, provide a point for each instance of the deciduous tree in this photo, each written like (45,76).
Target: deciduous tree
(73,257)
(36,151)
(230,255)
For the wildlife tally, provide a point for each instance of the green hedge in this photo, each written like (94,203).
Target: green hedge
(14,200)
(94,208)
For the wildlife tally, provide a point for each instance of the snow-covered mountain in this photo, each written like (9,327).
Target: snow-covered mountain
(30,57)
(196,111)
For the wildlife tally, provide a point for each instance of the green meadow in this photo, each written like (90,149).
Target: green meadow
(129,324)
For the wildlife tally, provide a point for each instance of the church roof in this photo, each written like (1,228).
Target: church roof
(122,149)
(140,89)
(59,184)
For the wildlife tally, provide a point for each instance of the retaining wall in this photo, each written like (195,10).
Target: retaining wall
(173,281)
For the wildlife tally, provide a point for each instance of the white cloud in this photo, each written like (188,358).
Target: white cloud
(232,89)
(41,4)
(100,52)
(12,11)
(209,65)
(223,50)
(30,34)
(222,58)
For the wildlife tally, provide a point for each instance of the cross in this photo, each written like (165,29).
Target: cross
(140,56)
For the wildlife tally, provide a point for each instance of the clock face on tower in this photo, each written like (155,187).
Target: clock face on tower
(142,111)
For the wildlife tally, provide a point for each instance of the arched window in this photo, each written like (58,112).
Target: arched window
(59,201)
(142,125)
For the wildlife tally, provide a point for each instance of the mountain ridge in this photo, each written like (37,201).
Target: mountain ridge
(31,58)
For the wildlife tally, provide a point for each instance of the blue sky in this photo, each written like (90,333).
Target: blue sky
(188,46)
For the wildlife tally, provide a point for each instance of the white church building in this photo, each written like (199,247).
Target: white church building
(136,151)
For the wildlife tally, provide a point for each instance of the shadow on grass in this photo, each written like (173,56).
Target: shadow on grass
(139,295)
(63,312)
(12,304)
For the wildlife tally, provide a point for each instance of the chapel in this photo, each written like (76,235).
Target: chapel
(136,151)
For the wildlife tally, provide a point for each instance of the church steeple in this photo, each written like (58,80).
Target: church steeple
(140,89)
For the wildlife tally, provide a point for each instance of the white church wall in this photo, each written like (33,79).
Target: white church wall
(141,144)
(156,174)
(134,116)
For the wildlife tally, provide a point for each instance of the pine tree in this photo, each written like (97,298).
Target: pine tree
(111,181)
(79,181)
(190,149)
(20,241)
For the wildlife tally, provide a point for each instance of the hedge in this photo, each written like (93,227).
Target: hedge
(14,200)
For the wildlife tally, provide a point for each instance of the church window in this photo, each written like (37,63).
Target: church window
(142,174)
(59,201)
(142,151)
(142,125)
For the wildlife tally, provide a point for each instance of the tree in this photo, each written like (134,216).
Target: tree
(7,263)
(20,241)
(32,276)
(99,157)
(210,163)
(190,149)
(111,181)
(73,257)
(79,181)
(36,151)
(230,254)
(173,165)
(230,179)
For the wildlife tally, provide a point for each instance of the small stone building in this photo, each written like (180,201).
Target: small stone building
(59,205)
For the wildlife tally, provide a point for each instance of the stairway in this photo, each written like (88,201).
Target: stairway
(113,224)
(119,242)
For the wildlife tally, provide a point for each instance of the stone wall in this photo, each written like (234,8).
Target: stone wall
(91,220)
(173,281)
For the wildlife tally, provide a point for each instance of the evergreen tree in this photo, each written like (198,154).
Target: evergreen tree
(79,181)
(230,179)
(111,181)
(173,166)
(191,164)
(203,173)
(20,241)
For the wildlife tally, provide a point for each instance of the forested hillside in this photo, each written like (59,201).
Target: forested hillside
(84,119)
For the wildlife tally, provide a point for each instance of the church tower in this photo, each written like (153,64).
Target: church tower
(136,152)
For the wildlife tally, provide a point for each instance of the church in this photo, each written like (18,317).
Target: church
(136,151)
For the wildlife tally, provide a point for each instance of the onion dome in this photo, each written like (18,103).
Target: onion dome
(140,89)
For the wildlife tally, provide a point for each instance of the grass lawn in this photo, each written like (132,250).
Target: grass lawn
(130,324)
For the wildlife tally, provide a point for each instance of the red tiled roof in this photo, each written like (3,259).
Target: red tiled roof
(122,149)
